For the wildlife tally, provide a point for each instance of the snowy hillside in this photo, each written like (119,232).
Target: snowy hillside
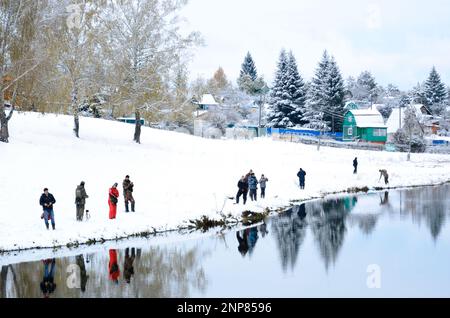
(177,177)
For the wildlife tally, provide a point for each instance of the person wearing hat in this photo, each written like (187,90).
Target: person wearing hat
(80,200)
(112,201)
(128,193)
(47,200)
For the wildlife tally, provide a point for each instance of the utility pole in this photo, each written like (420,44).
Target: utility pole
(260,108)
(408,158)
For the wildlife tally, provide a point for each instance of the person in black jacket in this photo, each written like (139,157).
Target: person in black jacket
(355,165)
(47,200)
(301,177)
(243,188)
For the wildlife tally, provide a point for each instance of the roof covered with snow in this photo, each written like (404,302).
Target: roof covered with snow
(208,99)
(395,121)
(368,118)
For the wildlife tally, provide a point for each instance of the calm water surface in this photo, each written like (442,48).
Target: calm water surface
(398,241)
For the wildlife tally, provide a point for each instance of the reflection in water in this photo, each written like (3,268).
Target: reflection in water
(48,285)
(289,231)
(384,199)
(328,228)
(128,269)
(247,240)
(243,242)
(83,275)
(113,266)
(427,205)
(185,269)
(159,272)
(263,229)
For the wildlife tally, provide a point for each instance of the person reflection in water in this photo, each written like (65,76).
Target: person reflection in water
(84,276)
(128,269)
(48,285)
(301,211)
(243,243)
(252,238)
(263,229)
(114,271)
(384,200)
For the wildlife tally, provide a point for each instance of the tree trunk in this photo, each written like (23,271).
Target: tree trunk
(75,110)
(332,123)
(137,130)
(4,133)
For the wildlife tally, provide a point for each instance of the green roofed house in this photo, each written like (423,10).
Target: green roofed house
(364,125)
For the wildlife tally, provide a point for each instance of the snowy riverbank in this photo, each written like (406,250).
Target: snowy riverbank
(177,177)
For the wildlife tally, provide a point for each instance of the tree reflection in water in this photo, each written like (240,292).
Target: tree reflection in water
(159,272)
(427,205)
(289,230)
(327,221)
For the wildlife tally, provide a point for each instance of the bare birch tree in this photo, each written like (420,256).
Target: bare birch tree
(75,40)
(144,44)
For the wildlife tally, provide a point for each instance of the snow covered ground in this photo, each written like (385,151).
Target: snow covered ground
(177,177)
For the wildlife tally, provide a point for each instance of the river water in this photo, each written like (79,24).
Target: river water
(383,244)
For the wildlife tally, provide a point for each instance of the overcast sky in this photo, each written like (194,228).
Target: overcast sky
(398,41)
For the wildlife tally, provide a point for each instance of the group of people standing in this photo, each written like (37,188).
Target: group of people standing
(47,200)
(250,182)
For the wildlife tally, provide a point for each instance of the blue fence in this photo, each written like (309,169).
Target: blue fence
(440,142)
(304,132)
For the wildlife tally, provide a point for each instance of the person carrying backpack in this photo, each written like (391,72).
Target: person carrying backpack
(80,200)
(128,193)
(112,201)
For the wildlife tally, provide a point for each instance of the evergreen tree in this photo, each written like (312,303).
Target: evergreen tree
(325,101)
(249,68)
(435,92)
(296,91)
(280,101)
(248,80)
(316,98)
(418,95)
(335,89)
(367,87)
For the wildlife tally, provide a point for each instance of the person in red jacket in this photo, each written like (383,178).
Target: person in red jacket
(112,201)
(113,267)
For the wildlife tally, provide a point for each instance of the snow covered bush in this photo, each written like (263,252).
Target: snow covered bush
(213,133)
(401,141)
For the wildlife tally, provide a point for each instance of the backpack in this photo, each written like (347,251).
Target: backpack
(113,199)
(78,196)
